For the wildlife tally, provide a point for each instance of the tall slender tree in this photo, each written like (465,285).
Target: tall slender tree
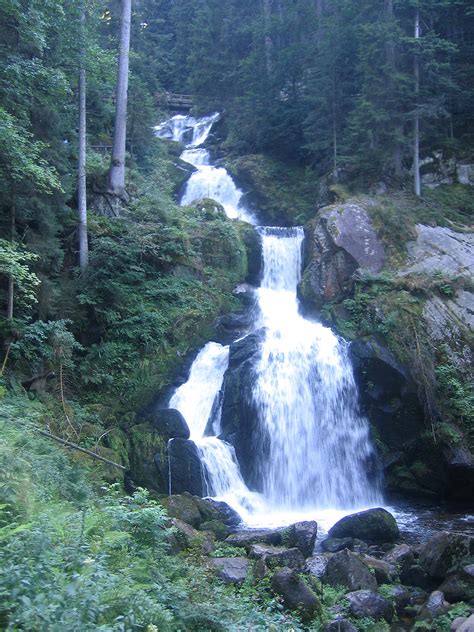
(416,122)
(116,181)
(82,176)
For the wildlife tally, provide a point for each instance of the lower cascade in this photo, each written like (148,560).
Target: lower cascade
(312,448)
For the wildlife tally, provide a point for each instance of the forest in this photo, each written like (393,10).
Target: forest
(109,287)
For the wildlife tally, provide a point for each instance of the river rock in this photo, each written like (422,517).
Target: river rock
(366,603)
(277,555)
(373,525)
(459,585)
(385,573)
(170,423)
(232,570)
(347,569)
(333,545)
(339,241)
(402,556)
(183,507)
(185,467)
(302,535)
(415,575)
(184,536)
(225,512)
(316,565)
(467,625)
(254,536)
(339,625)
(295,593)
(435,606)
(444,551)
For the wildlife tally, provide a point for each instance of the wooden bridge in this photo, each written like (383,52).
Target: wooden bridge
(175,101)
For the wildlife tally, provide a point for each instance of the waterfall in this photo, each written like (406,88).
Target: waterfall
(319,446)
(313,447)
(207,181)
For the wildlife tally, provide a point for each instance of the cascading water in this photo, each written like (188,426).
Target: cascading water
(207,181)
(313,448)
(319,447)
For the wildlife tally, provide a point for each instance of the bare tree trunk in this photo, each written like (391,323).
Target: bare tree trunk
(82,177)
(391,56)
(319,15)
(11,283)
(334,126)
(416,140)
(116,185)
(267,15)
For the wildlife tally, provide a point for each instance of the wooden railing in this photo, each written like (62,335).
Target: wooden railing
(175,101)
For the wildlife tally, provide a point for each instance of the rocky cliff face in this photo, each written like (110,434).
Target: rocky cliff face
(412,318)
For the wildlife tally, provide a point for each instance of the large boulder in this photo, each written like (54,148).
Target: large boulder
(170,423)
(373,525)
(185,469)
(444,551)
(295,593)
(232,570)
(245,538)
(367,603)
(274,556)
(339,241)
(302,535)
(148,461)
(239,420)
(347,569)
(225,513)
(401,556)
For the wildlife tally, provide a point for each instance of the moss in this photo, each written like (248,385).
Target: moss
(283,194)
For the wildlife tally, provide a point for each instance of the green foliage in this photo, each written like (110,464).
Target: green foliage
(77,556)
(226,550)
(456,390)
(15,262)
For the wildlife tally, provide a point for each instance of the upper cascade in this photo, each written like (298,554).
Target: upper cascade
(207,181)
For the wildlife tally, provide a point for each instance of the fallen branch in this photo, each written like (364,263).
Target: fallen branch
(74,446)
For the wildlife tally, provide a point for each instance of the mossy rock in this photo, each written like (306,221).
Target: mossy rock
(374,525)
(216,527)
(147,448)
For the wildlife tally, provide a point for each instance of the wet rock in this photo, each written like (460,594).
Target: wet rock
(254,536)
(459,586)
(239,420)
(400,596)
(232,570)
(467,625)
(218,528)
(277,556)
(339,625)
(183,507)
(225,512)
(444,551)
(339,241)
(435,606)
(302,535)
(316,565)
(333,545)
(384,572)
(415,575)
(402,556)
(184,536)
(295,593)
(373,525)
(170,423)
(366,603)
(346,569)
(185,467)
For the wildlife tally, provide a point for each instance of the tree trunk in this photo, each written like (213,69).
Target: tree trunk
(391,56)
(319,15)
(82,178)
(116,185)
(416,126)
(267,16)
(11,284)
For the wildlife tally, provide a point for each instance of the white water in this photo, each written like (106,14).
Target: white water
(207,181)
(314,448)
